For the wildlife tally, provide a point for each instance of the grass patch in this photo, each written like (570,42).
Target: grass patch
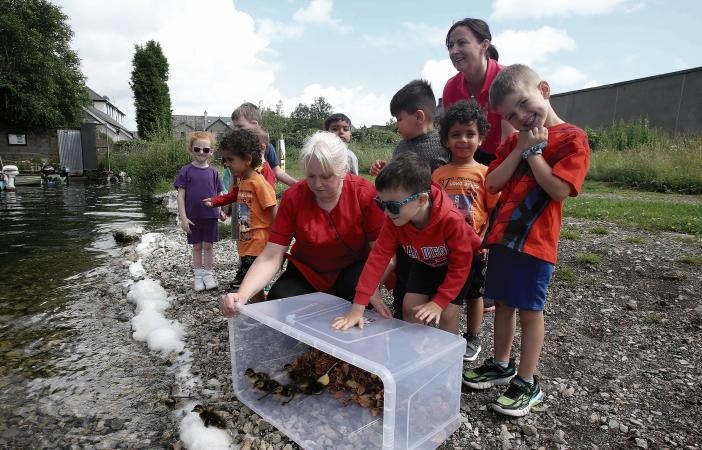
(566,275)
(600,230)
(590,259)
(652,318)
(225,229)
(633,154)
(162,186)
(570,234)
(634,240)
(690,260)
(650,215)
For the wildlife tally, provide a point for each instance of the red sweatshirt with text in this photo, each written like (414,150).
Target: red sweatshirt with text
(446,241)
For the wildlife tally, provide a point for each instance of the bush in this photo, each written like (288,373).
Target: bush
(151,163)
(623,135)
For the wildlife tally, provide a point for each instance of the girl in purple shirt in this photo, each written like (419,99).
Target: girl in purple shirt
(197,181)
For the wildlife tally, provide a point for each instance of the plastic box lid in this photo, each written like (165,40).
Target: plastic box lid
(420,367)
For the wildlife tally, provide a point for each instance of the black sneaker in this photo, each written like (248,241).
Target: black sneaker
(238,278)
(246,262)
(489,374)
(519,398)
(472,347)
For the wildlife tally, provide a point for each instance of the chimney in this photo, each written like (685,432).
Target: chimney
(204,122)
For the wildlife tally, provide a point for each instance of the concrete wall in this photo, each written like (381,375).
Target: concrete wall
(671,101)
(40,145)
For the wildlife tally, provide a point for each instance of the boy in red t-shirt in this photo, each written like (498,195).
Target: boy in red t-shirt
(535,170)
(464,126)
(423,221)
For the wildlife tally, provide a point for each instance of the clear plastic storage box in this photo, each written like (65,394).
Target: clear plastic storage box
(420,367)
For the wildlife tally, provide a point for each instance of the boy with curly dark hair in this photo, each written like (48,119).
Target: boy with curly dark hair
(463,129)
(241,153)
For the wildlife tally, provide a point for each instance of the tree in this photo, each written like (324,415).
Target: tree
(41,84)
(152,99)
(312,115)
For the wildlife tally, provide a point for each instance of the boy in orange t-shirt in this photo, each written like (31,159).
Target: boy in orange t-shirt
(535,171)
(463,129)
(255,196)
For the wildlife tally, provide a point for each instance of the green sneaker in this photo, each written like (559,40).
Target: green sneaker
(519,398)
(489,374)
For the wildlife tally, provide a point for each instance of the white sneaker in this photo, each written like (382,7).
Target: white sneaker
(209,279)
(198,282)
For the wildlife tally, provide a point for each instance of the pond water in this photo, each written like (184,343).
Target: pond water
(69,371)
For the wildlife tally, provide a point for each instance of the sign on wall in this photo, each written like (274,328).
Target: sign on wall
(16,139)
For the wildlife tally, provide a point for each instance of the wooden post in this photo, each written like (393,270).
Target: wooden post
(281,150)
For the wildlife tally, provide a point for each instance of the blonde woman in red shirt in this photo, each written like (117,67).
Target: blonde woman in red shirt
(335,222)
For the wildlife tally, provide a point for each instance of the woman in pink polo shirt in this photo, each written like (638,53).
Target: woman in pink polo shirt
(475,58)
(334,220)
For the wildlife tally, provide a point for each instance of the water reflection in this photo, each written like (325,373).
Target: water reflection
(62,325)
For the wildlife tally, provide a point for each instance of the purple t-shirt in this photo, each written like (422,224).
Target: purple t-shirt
(199,183)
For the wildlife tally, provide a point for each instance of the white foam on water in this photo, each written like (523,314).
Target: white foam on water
(136,270)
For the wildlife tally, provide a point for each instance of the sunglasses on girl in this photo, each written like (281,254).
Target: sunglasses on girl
(204,150)
(394,207)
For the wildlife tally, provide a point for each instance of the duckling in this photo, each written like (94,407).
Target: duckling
(296,375)
(254,376)
(288,391)
(210,417)
(267,386)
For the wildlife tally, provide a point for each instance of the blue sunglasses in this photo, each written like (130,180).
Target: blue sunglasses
(394,207)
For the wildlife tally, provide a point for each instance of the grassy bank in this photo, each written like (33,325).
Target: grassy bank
(635,155)
(152,165)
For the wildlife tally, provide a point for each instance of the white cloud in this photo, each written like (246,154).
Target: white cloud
(215,64)
(410,35)
(537,9)
(274,30)
(437,72)
(209,67)
(363,107)
(531,46)
(567,77)
(591,83)
(318,12)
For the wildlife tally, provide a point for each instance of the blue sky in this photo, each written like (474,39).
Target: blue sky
(357,54)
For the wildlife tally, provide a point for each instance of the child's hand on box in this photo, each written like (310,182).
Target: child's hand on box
(350,320)
(428,312)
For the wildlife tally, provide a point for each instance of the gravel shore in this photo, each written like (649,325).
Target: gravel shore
(619,366)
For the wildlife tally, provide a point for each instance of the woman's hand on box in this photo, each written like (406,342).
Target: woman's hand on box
(350,320)
(428,312)
(229,304)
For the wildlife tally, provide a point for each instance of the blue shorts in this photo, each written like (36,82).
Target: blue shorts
(517,279)
(203,230)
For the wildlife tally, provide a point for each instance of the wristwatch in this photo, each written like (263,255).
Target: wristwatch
(535,149)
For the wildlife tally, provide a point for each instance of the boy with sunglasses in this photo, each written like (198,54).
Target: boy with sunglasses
(432,233)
